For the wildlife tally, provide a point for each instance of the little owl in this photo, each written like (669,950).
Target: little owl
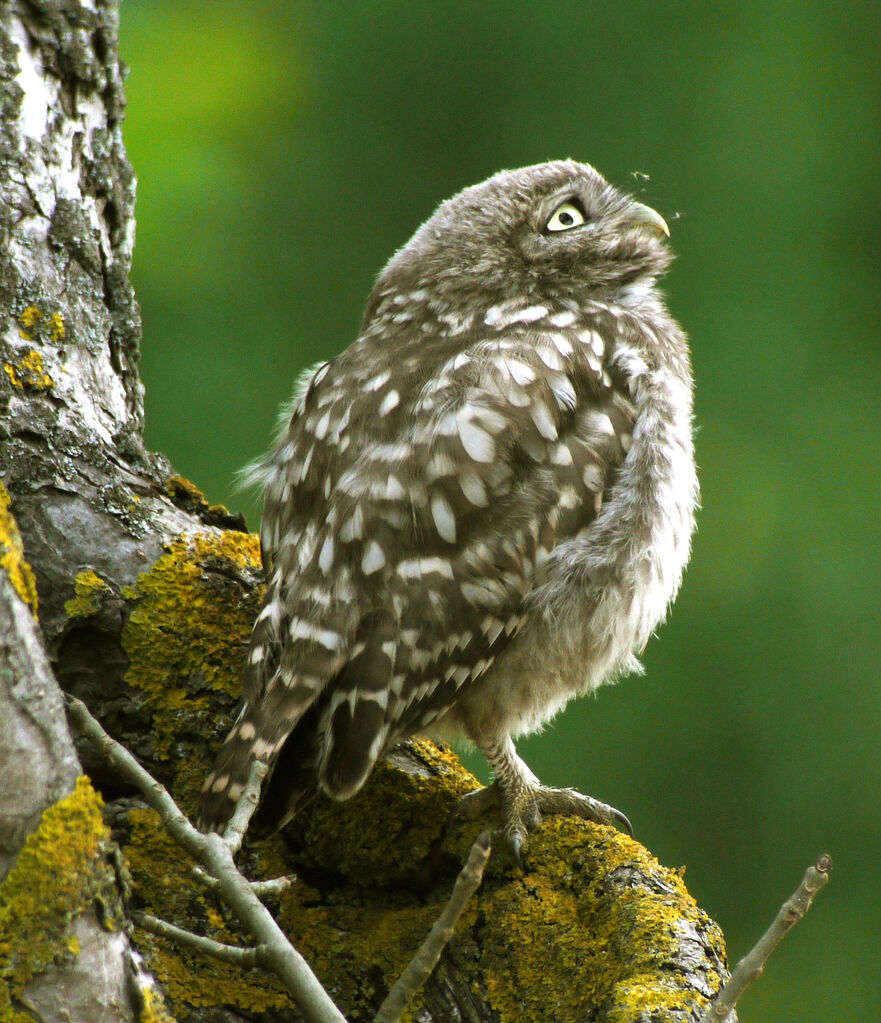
(480,509)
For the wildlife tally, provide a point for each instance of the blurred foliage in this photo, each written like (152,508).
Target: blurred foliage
(285,150)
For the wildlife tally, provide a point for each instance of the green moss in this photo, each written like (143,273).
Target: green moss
(62,873)
(188,632)
(89,587)
(12,559)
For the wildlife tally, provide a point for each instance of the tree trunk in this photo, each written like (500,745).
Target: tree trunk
(146,596)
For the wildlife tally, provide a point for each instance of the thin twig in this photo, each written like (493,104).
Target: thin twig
(428,953)
(750,967)
(274,886)
(216,857)
(244,957)
(247,803)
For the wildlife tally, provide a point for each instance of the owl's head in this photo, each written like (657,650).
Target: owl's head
(552,230)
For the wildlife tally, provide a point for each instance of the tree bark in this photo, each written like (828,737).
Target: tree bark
(146,596)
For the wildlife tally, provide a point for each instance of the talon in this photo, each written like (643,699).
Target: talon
(622,820)
(514,842)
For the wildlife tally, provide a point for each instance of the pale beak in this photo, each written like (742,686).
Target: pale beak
(645,216)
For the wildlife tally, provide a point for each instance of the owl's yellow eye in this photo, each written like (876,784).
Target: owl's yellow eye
(564,217)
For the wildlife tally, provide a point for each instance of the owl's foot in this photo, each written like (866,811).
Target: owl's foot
(524,800)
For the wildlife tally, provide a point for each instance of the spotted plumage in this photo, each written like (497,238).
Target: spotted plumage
(481,508)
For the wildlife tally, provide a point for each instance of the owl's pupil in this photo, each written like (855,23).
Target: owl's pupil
(566,218)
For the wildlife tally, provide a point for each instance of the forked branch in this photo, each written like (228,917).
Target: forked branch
(272,950)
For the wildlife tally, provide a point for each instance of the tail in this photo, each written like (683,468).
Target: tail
(259,733)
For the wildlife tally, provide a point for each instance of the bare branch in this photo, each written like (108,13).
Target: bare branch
(245,808)
(753,963)
(277,953)
(428,953)
(244,957)
(274,886)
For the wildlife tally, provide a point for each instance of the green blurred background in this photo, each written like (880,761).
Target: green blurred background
(285,150)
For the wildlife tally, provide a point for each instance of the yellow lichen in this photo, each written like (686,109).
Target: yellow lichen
(189,627)
(28,320)
(56,327)
(61,874)
(88,590)
(153,1007)
(569,942)
(29,373)
(12,558)
(186,495)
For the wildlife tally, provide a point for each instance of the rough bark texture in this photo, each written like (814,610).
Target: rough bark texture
(146,598)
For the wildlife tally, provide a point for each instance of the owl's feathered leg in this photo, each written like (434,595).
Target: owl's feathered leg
(524,800)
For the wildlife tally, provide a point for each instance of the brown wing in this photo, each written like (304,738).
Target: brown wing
(411,507)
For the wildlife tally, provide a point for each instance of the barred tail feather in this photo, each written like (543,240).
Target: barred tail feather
(259,733)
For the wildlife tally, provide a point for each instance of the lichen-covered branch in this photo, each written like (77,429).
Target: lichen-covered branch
(753,963)
(216,856)
(63,950)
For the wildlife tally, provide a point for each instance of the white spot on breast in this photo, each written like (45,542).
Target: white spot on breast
(563,319)
(562,344)
(300,475)
(376,382)
(473,489)
(247,731)
(444,519)
(447,425)
(391,453)
(389,402)
(374,558)
(491,627)
(593,341)
(561,455)
(568,499)
(543,421)
(439,465)
(598,423)
(301,629)
(394,491)
(550,357)
(477,442)
(521,373)
(322,425)
(416,568)
(325,558)
(563,390)
(593,477)
(530,314)
(353,527)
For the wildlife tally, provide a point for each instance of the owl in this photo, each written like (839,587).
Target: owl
(480,509)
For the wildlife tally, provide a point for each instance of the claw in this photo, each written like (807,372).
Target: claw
(514,841)
(622,820)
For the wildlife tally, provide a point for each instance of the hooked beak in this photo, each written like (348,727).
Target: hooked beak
(645,216)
